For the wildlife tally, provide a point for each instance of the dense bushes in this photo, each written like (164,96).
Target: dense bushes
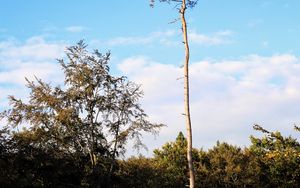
(270,161)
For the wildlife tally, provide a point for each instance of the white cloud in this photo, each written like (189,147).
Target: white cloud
(30,70)
(133,64)
(218,38)
(227,97)
(75,29)
(35,48)
(35,57)
(169,38)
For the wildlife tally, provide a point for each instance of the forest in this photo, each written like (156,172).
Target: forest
(77,134)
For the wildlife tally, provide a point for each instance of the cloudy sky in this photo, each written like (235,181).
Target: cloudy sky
(245,59)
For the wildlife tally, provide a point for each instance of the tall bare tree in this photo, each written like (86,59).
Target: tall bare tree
(184,4)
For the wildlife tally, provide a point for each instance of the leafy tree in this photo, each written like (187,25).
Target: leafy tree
(93,114)
(25,164)
(5,158)
(140,171)
(182,10)
(172,158)
(279,158)
(228,166)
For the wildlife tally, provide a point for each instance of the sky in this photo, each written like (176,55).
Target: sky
(244,69)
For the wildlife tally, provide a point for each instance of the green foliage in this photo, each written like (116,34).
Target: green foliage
(224,165)
(140,172)
(172,158)
(279,158)
(271,161)
(24,164)
(92,115)
(227,166)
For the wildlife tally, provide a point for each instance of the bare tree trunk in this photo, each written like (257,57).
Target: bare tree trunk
(186,96)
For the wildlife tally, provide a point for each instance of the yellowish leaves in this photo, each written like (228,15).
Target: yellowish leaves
(287,154)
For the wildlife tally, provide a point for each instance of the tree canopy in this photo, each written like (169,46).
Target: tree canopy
(93,114)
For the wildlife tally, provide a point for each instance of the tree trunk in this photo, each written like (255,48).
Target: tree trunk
(186,96)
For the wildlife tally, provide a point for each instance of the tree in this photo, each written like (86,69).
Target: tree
(229,166)
(25,164)
(136,172)
(279,158)
(184,5)
(172,158)
(94,113)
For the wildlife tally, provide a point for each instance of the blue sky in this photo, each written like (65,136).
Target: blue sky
(244,58)
(257,26)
